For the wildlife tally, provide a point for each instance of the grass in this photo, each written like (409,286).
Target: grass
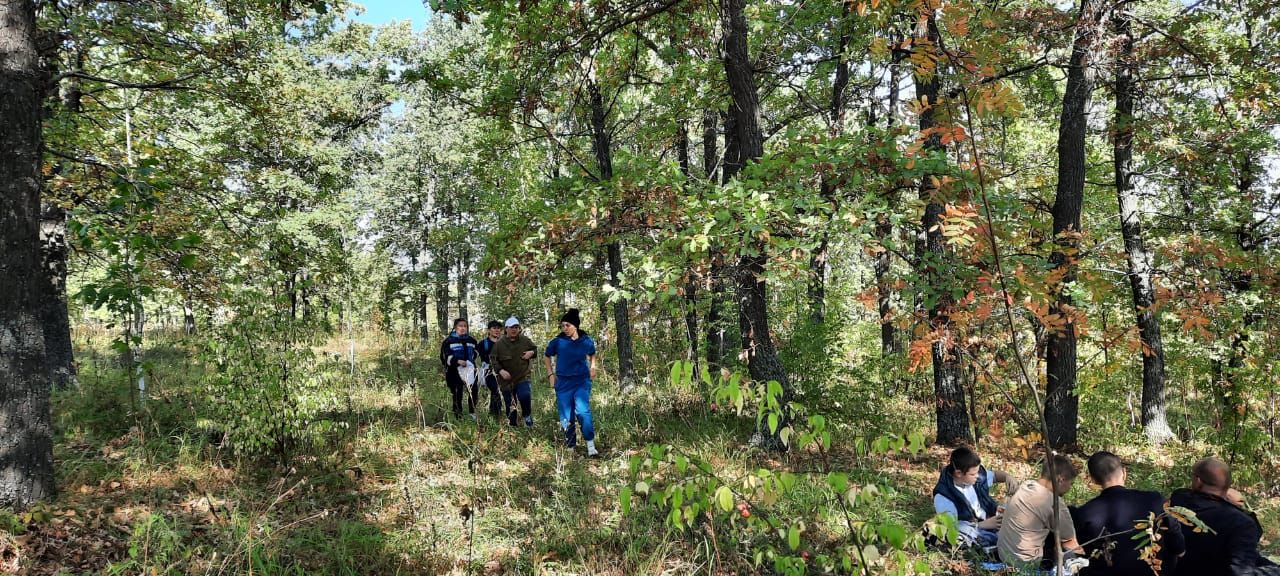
(404,488)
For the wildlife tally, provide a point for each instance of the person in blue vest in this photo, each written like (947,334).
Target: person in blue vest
(485,349)
(964,491)
(575,367)
(458,356)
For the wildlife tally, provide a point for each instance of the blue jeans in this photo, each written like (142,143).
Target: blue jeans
(522,392)
(572,402)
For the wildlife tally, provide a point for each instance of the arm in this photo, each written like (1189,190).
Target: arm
(943,505)
(1242,547)
(591,366)
(446,358)
(551,372)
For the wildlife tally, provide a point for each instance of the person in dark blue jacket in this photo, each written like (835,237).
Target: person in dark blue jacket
(1105,525)
(575,367)
(458,356)
(1232,548)
(485,348)
(964,491)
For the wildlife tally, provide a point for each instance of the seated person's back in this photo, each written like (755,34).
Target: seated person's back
(1115,511)
(1232,547)
(1029,519)
(964,491)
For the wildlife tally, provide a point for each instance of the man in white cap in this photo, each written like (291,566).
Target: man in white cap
(512,359)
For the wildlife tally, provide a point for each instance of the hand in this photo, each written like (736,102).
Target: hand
(505,375)
(528,355)
(553,380)
(593,372)
(992,523)
(462,363)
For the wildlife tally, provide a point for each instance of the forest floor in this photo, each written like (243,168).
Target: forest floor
(404,488)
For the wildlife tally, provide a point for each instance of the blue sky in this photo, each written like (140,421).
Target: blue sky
(384,11)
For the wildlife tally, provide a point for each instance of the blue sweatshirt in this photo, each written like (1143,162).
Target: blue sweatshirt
(571,355)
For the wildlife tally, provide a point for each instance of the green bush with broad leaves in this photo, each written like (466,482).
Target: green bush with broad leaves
(753,509)
(264,390)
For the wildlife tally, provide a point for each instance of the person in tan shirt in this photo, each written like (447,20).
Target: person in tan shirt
(1028,518)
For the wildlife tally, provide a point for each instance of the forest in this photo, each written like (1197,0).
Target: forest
(807,248)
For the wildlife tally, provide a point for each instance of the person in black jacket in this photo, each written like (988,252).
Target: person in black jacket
(1232,548)
(490,376)
(1105,525)
(458,355)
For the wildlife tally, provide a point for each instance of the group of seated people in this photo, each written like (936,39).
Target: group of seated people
(1020,530)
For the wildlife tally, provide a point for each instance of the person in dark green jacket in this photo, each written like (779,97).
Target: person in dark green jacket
(512,358)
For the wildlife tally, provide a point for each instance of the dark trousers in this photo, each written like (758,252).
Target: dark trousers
(495,397)
(456,388)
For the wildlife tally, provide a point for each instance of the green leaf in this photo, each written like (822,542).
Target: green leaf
(793,537)
(624,500)
(187,261)
(839,482)
(724,497)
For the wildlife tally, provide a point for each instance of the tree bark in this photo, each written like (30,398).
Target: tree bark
(26,431)
(463,283)
(603,146)
(818,260)
(1062,406)
(889,343)
(715,270)
(53,305)
(948,376)
(691,282)
(1141,274)
(442,293)
(746,141)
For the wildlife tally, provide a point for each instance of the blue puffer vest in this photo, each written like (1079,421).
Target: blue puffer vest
(947,488)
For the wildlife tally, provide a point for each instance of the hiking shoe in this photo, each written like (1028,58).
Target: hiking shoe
(592,453)
(528,421)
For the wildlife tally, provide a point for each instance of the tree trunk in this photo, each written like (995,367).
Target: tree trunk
(53,305)
(1232,389)
(1141,280)
(621,320)
(442,294)
(691,282)
(420,317)
(818,260)
(463,283)
(1062,406)
(26,431)
(889,343)
(746,141)
(188,317)
(948,376)
(715,271)
(603,147)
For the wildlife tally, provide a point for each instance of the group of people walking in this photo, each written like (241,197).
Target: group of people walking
(1102,530)
(503,361)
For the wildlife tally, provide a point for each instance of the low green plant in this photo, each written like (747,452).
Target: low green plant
(769,512)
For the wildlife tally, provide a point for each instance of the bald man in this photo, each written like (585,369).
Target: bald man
(1232,548)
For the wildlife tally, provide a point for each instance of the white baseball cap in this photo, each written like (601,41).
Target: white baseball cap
(512,321)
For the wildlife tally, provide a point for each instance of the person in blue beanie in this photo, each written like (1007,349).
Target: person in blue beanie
(575,367)
(490,375)
(458,356)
